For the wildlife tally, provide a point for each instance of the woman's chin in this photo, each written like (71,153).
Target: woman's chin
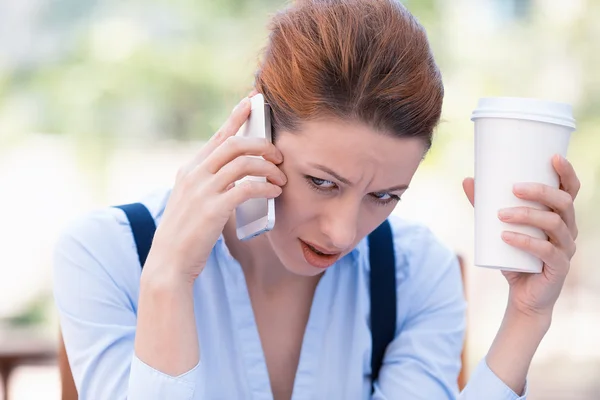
(299,266)
(302,269)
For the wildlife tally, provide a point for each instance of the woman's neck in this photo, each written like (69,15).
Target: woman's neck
(262,268)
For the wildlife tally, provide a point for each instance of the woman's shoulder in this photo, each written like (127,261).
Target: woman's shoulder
(418,250)
(102,239)
(109,223)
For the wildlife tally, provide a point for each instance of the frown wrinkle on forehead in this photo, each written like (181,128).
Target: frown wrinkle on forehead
(353,151)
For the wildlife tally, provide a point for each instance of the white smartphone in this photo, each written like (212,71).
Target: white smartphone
(255,216)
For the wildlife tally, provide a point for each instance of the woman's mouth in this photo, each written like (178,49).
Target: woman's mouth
(317,257)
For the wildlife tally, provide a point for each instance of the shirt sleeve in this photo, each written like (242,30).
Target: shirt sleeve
(96,285)
(146,382)
(485,384)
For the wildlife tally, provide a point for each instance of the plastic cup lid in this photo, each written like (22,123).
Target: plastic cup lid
(525,108)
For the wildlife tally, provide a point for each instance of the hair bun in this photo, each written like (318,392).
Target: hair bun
(365,60)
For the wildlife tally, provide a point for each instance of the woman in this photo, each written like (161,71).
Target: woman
(355,96)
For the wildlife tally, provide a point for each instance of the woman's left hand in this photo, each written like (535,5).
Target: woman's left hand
(536,294)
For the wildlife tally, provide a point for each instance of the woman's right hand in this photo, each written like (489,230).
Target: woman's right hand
(205,195)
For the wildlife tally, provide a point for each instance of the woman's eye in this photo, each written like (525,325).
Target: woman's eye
(382,196)
(322,183)
(385,198)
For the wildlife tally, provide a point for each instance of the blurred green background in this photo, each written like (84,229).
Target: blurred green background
(101,101)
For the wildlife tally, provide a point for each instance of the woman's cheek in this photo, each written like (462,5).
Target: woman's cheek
(295,200)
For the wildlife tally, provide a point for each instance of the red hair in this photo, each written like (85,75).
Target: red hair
(363,60)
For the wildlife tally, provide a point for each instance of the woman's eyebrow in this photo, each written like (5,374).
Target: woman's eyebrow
(394,188)
(332,173)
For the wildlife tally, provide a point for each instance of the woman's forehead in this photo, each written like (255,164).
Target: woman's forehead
(334,137)
(352,148)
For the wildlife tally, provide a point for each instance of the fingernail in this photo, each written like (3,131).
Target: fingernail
(241,104)
(520,188)
(505,214)
(563,160)
(508,236)
(244,103)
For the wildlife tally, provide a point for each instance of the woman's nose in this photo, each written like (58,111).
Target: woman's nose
(340,224)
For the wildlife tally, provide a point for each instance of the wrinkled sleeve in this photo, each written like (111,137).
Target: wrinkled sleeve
(484,384)
(96,284)
(423,361)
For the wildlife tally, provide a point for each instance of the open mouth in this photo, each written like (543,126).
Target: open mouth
(317,257)
(317,251)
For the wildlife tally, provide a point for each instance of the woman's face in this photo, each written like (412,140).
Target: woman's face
(344,179)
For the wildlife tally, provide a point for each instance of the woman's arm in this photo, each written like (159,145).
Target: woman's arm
(203,199)
(514,346)
(504,370)
(166,336)
(96,283)
(105,315)
(532,296)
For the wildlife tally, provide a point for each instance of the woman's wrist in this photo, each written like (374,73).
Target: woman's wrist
(158,276)
(515,345)
(166,336)
(539,320)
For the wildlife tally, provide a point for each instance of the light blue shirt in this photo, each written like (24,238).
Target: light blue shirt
(97,275)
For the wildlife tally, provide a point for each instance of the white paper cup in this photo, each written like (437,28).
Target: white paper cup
(515,140)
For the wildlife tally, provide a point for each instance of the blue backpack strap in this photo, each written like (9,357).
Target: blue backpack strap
(383,293)
(142,227)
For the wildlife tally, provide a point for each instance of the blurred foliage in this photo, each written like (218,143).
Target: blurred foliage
(108,73)
(35,314)
(139,71)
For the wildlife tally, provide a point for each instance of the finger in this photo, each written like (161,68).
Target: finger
(550,222)
(556,261)
(558,200)
(249,166)
(236,146)
(234,122)
(250,190)
(569,181)
(252,93)
(469,188)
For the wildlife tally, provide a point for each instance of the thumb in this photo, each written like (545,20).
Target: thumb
(469,188)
